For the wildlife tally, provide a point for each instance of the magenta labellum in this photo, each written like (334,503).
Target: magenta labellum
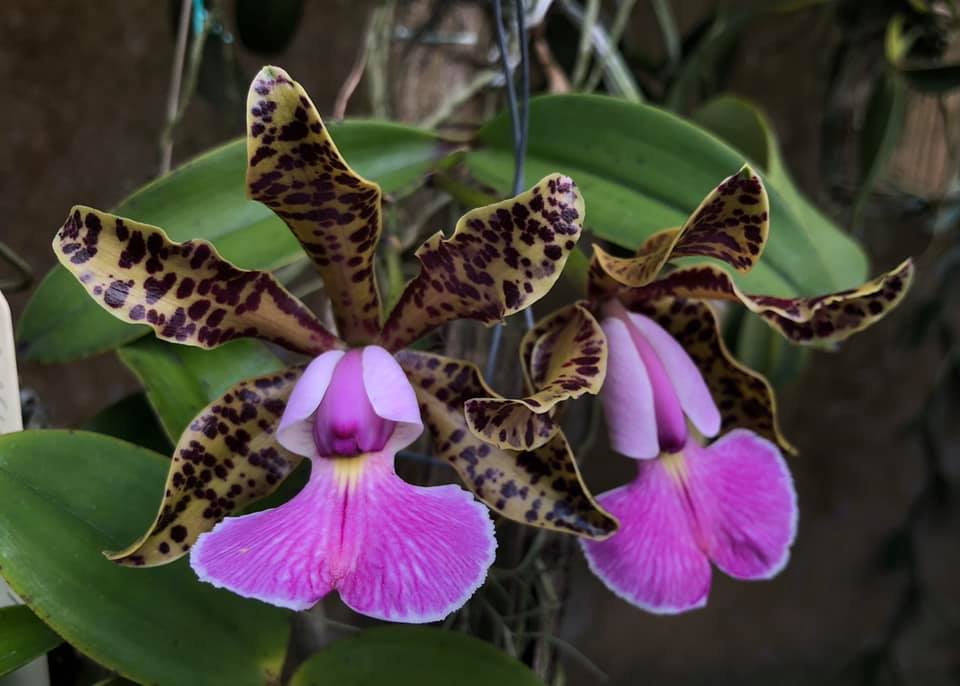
(731,503)
(392,550)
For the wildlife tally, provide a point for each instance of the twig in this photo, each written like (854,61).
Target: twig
(508,78)
(573,652)
(668,27)
(350,84)
(25,273)
(509,645)
(450,105)
(616,33)
(520,123)
(585,47)
(557,81)
(176,75)
(523,126)
(378,49)
(617,76)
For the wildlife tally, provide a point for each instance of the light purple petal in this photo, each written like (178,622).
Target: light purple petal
(420,553)
(391,395)
(744,502)
(652,561)
(628,396)
(394,551)
(295,432)
(687,381)
(287,556)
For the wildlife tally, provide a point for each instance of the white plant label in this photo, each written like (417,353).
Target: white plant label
(10,419)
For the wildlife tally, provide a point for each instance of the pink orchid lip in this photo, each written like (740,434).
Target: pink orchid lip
(732,504)
(391,550)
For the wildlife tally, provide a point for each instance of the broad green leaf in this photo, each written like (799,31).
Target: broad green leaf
(131,419)
(205,199)
(412,656)
(23,638)
(180,380)
(642,169)
(69,495)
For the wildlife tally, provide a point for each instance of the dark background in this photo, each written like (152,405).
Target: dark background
(85,88)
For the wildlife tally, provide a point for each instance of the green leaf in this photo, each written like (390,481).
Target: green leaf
(69,495)
(882,125)
(23,638)
(935,80)
(412,656)
(132,419)
(181,380)
(706,63)
(642,169)
(205,199)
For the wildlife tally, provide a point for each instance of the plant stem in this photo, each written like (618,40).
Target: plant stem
(585,47)
(176,76)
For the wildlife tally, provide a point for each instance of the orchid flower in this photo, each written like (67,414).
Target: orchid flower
(392,550)
(712,484)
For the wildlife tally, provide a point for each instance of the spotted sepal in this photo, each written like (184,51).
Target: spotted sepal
(295,169)
(539,487)
(608,275)
(226,459)
(744,397)
(564,356)
(813,321)
(731,225)
(185,291)
(500,259)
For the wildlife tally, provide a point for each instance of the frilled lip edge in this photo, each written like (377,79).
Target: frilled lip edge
(772,571)
(231,539)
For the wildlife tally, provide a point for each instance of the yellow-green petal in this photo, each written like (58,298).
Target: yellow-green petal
(818,320)
(540,487)
(185,291)
(226,459)
(295,169)
(731,225)
(500,259)
(564,356)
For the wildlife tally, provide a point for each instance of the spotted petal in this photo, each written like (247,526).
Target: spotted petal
(731,225)
(744,398)
(500,259)
(185,291)
(822,319)
(227,458)
(539,487)
(295,169)
(564,356)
